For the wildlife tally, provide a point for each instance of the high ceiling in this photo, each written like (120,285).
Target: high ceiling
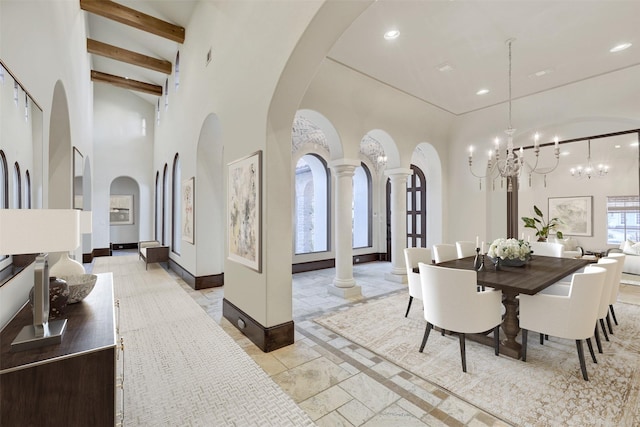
(568,40)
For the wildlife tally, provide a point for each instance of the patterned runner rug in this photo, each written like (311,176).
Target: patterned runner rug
(181,368)
(547,390)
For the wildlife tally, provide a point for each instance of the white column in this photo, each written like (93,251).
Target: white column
(343,284)
(398,179)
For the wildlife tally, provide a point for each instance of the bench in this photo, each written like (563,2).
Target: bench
(152,251)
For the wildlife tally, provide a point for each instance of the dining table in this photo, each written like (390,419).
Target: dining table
(538,273)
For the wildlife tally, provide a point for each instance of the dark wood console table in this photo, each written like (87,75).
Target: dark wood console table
(67,384)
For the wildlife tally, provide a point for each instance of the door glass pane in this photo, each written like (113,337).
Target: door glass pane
(418,242)
(418,224)
(409,225)
(418,199)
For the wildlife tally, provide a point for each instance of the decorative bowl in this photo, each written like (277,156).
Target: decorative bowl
(80,286)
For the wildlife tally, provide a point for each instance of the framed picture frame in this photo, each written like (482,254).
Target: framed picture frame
(188,211)
(121,209)
(575,214)
(244,209)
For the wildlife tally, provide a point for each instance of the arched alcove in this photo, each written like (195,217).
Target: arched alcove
(210,221)
(87,202)
(60,170)
(124,210)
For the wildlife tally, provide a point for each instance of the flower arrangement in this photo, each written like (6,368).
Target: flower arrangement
(509,249)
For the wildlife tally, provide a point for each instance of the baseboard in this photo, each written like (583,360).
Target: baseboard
(117,246)
(197,282)
(87,258)
(331,262)
(101,252)
(267,339)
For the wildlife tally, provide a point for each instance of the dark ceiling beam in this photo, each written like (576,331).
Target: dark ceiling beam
(97,76)
(128,56)
(134,18)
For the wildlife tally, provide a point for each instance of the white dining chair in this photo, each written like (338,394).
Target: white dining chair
(413,256)
(613,298)
(569,316)
(444,252)
(465,248)
(547,249)
(452,303)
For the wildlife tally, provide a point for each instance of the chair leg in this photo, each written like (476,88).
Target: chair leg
(496,339)
(463,353)
(604,330)
(593,356)
(609,323)
(583,366)
(524,345)
(541,339)
(613,314)
(426,336)
(597,335)
(409,306)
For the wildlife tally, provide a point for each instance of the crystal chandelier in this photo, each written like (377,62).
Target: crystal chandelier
(513,163)
(589,170)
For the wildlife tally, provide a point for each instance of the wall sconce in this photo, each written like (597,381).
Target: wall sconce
(25,231)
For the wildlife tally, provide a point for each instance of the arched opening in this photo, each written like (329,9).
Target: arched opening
(60,168)
(362,207)
(124,211)
(165,204)
(311,221)
(416,209)
(176,217)
(17,186)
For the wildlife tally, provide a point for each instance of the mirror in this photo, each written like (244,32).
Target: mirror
(78,168)
(21,144)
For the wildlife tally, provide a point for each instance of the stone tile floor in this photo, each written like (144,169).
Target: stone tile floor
(337,382)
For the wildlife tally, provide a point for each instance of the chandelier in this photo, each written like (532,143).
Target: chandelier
(589,170)
(513,163)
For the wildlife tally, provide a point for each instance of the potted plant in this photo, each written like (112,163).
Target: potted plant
(542,227)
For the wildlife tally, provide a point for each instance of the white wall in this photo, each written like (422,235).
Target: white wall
(122,150)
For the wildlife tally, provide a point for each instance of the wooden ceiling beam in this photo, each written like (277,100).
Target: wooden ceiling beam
(128,56)
(97,76)
(125,15)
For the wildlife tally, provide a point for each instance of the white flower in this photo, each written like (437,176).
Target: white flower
(509,249)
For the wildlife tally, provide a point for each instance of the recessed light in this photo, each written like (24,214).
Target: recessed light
(565,153)
(634,144)
(482,92)
(620,47)
(391,34)
(541,73)
(444,67)
(616,146)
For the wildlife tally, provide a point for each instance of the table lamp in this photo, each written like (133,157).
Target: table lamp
(24,231)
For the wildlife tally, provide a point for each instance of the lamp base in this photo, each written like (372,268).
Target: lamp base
(27,340)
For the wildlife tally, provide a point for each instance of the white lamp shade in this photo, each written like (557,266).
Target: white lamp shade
(27,231)
(86,222)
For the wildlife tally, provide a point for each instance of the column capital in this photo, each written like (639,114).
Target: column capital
(398,172)
(341,166)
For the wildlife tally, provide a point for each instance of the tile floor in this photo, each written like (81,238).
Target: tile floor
(339,383)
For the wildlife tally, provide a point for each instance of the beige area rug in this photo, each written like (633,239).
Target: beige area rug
(630,279)
(547,390)
(180,367)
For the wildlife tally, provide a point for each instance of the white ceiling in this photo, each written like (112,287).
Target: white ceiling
(570,38)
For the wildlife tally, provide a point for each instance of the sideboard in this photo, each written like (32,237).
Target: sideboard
(68,384)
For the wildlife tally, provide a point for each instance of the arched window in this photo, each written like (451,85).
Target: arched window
(165,203)
(158,112)
(27,190)
(17,187)
(362,207)
(176,75)
(166,94)
(158,209)
(4,189)
(176,230)
(311,220)
(416,209)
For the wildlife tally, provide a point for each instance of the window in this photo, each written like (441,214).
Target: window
(17,187)
(416,209)
(176,76)
(27,190)
(166,94)
(16,90)
(158,112)
(176,220)
(144,126)
(311,205)
(26,107)
(623,219)
(158,209)
(1,74)
(361,214)
(4,188)
(165,203)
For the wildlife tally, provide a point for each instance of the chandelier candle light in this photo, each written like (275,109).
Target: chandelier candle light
(589,171)
(514,162)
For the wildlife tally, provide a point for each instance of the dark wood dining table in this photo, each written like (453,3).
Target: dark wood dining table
(537,274)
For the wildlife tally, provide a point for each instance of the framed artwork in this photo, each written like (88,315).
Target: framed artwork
(244,206)
(575,214)
(188,212)
(121,209)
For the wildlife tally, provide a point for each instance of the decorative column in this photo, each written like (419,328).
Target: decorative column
(343,284)
(398,179)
